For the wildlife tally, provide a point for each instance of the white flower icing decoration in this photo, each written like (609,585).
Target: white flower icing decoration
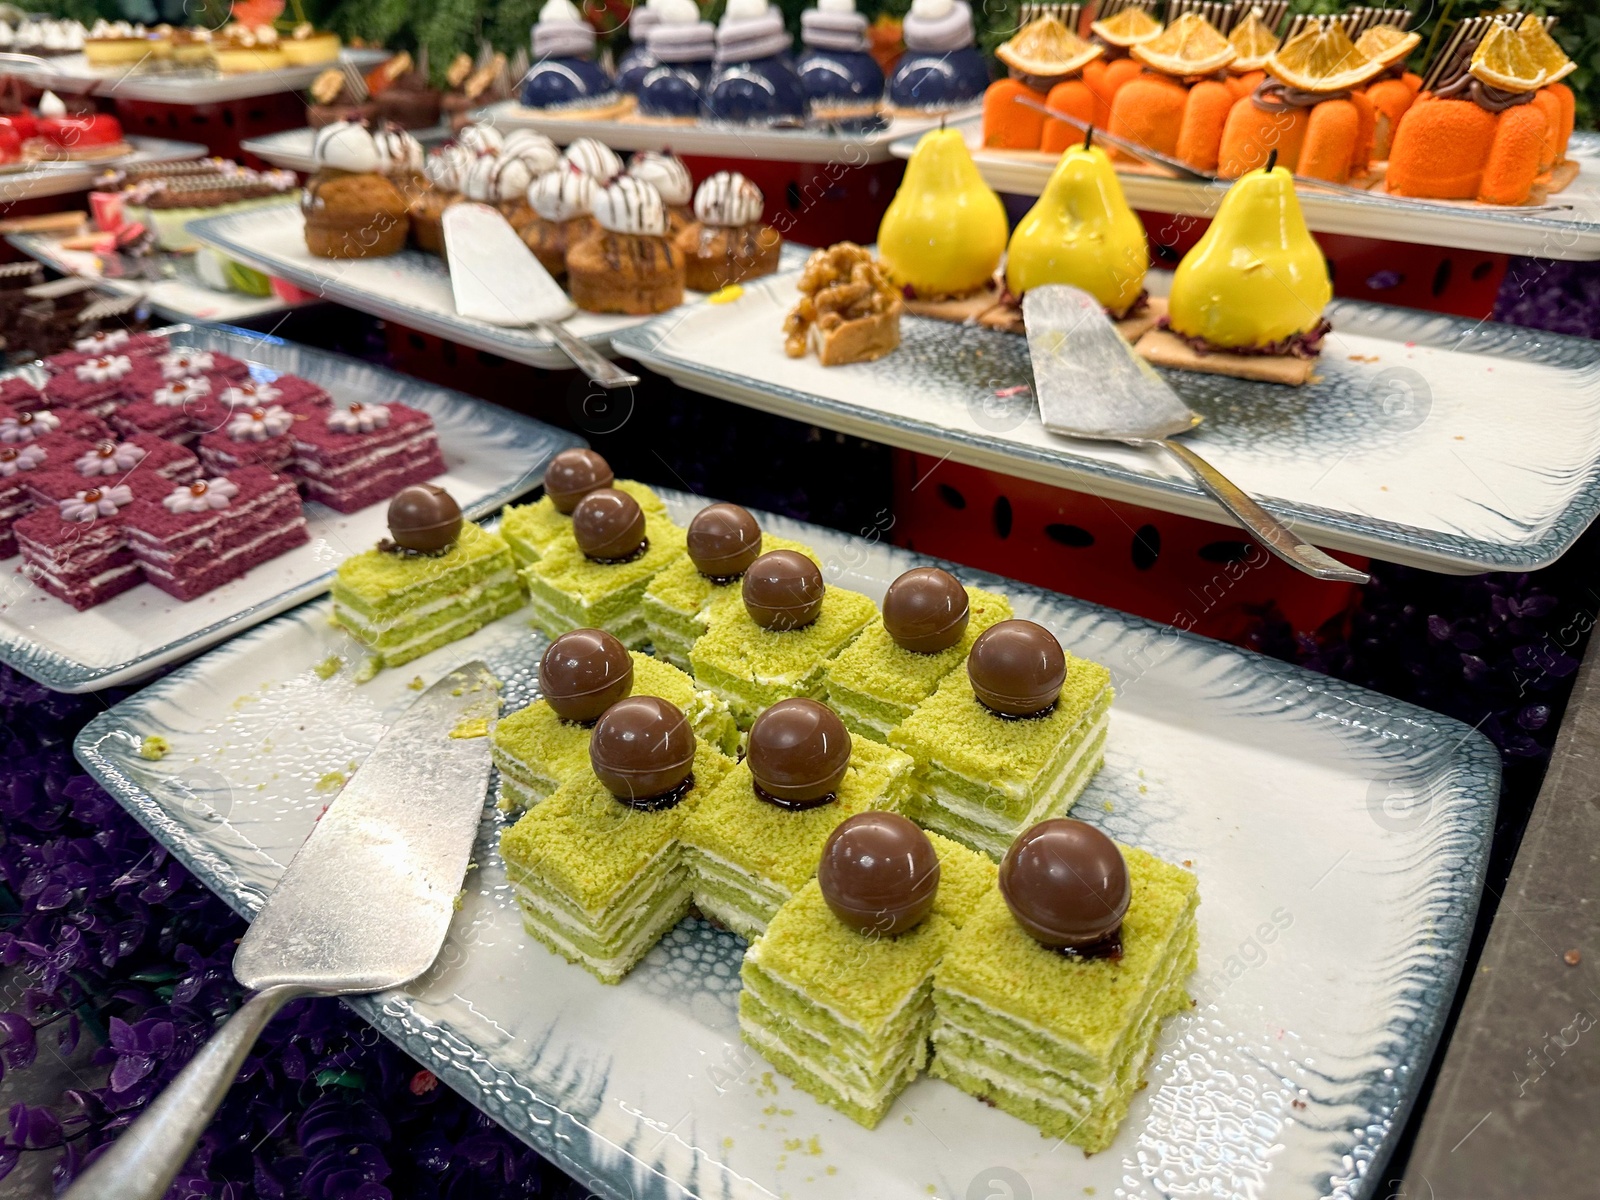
(182,363)
(96,502)
(26,426)
(359,418)
(259,424)
(13,460)
(105,369)
(252,393)
(203,495)
(181,391)
(109,458)
(105,339)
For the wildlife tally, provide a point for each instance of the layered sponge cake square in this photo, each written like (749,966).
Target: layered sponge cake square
(107,461)
(983,778)
(531,528)
(749,855)
(568,590)
(351,457)
(600,882)
(679,602)
(537,752)
(401,605)
(1059,1041)
(874,684)
(77,550)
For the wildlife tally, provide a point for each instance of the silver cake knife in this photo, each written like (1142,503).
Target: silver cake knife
(363,906)
(1092,385)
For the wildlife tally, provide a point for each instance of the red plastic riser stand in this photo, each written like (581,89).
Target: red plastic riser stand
(476,372)
(218,127)
(816,204)
(1211,579)
(1434,278)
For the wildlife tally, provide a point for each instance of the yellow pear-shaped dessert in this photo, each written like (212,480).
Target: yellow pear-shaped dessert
(945,229)
(1256,277)
(1083,233)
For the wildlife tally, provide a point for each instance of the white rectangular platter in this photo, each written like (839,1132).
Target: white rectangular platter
(64,177)
(167,85)
(1571,230)
(491,455)
(1339,837)
(291,148)
(1454,445)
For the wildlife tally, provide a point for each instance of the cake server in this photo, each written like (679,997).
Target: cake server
(364,906)
(496,278)
(1092,385)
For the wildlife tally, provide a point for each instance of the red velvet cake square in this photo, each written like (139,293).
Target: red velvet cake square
(183,362)
(107,341)
(199,537)
(351,457)
(179,409)
(95,386)
(77,551)
(19,427)
(17,392)
(20,463)
(253,437)
(287,390)
(109,461)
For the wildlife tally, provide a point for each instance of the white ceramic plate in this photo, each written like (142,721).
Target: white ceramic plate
(491,455)
(1458,446)
(1571,231)
(1349,827)
(166,85)
(64,177)
(291,148)
(411,287)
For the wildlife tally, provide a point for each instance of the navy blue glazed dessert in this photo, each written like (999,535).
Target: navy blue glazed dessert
(564,77)
(682,47)
(754,81)
(941,68)
(636,60)
(843,82)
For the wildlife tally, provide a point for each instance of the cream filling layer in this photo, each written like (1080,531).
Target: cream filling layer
(868,1098)
(649,933)
(351,617)
(255,543)
(478,614)
(806,1000)
(987,818)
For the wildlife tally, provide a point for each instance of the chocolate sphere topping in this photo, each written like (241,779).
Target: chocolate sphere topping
(783,590)
(1066,884)
(585,672)
(609,525)
(572,475)
(642,749)
(1017,669)
(798,753)
(926,610)
(424,518)
(724,540)
(879,873)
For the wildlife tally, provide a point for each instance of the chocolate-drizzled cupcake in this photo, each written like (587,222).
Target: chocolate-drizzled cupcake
(445,170)
(351,208)
(562,204)
(666,173)
(727,242)
(501,183)
(630,265)
(595,159)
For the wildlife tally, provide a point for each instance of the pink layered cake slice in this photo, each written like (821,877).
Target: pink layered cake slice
(351,457)
(77,550)
(21,462)
(253,437)
(203,535)
(178,409)
(107,341)
(18,427)
(17,392)
(108,461)
(185,362)
(287,390)
(94,386)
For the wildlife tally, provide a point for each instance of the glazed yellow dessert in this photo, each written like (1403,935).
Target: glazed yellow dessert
(239,49)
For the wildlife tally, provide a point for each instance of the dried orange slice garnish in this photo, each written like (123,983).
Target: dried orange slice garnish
(1047,48)
(1387,44)
(1520,60)
(1128,28)
(1322,58)
(1253,42)
(1191,45)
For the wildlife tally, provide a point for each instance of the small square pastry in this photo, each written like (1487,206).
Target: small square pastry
(435,579)
(77,549)
(561,204)
(723,540)
(19,426)
(94,386)
(778,642)
(21,462)
(928,624)
(252,437)
(756,838)
(351,457)
(109,461)
(1013,739)
(352,208)
(597,868)
(629,265)
(595,578)
(727,243)
(185,362)
(569,477)
(168,408)
(1049,999)
(837,993)
(849,309)
(103,342)
(546,744)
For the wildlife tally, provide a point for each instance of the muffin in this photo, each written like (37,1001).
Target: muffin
(501,182)
(666,173)
(727,243)
(445,169)
(351,209)
(629,265)
(595,159)
(562,203)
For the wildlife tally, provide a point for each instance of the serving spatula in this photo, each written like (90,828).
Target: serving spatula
(363,906)
(1092,385)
